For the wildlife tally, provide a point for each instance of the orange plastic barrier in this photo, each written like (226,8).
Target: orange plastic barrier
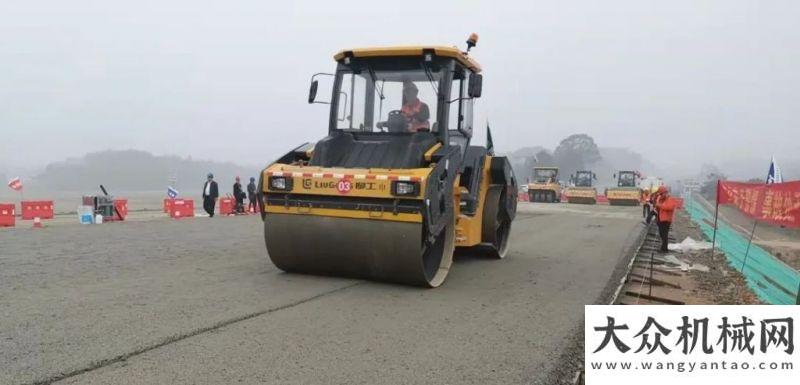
(226,206)
(602,199)
(7,214)
(33,209)
(181,208)
(121,212)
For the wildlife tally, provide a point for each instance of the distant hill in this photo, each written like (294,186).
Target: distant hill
(133,170)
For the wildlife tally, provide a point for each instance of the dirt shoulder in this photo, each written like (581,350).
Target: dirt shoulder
(689,277)
(721,284)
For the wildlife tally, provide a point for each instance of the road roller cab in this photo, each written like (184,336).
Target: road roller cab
(396,185)
(627,192)
(545,186)
(581,189)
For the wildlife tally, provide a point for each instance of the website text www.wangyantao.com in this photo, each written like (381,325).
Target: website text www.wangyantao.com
(691,366)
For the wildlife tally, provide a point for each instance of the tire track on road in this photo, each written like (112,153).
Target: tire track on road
(183,336)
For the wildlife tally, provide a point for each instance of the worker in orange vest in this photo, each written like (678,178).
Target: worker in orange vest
(645,206)
(665,206)
(651,205)
(415,110)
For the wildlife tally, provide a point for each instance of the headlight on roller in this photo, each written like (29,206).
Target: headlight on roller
(403,188)
(280,183)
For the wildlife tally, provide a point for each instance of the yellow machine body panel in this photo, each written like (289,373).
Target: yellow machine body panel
(581,192)
(624,193)
(624,196)
(343,182)
(418,50)
(468,228)
(545,186)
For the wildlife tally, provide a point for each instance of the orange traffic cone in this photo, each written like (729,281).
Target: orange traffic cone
(37,223)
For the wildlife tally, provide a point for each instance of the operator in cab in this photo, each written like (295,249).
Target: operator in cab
(415,110)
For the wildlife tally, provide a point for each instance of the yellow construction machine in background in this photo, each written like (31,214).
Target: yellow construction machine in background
(581,189)
(627,192)
(545,186)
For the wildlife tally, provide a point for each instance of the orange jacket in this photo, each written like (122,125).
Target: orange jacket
(666,208)
(417,113)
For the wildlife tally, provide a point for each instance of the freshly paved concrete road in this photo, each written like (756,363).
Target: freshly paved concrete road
(197,301)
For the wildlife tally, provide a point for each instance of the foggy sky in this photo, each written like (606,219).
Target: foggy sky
(683,82)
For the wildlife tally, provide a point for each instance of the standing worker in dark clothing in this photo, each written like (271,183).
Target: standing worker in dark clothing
(665,205)
(210,194)
(251,195)
(238,194)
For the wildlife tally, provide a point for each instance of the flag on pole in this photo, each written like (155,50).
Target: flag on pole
(171,192)
(15,184)
(774,175)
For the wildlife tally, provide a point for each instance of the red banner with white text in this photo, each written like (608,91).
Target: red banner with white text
(778,203)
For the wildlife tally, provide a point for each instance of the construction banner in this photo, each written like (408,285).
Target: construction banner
(778,203)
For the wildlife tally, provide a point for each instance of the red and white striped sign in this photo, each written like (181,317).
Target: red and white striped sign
(15,184)
(343,176)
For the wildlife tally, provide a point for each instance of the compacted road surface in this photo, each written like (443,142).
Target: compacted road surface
(197,301)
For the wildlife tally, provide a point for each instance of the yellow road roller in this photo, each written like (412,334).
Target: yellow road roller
(582,188)
(627,193)
(545,186)
(396,186)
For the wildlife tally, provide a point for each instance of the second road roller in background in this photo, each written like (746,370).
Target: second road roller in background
(627,192)
(396,186)
(581,189)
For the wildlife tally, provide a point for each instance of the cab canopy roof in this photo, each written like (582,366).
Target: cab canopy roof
(442,51)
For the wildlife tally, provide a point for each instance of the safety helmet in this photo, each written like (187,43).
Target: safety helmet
(409,85)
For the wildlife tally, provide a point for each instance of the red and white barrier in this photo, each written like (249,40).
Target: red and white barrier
(168,204)
(40,209)
(7,214)
(181,208)
(120,210)
(226,206)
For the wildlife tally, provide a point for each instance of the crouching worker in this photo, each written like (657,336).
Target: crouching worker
(665,206)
